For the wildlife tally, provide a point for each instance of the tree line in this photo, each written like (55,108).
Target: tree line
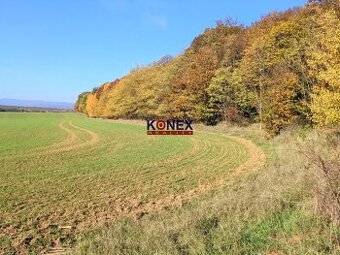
(282,70)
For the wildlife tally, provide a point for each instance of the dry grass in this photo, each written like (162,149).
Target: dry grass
(325,164)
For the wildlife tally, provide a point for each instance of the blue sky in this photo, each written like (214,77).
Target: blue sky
(54,49)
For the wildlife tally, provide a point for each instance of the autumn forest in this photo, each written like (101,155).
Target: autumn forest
(282,70)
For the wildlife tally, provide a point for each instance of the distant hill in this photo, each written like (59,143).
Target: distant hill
(36,104)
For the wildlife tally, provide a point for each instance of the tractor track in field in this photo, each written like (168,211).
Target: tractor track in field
(72,137)
(69,144)
(134,208)
(184,166)
(256,160)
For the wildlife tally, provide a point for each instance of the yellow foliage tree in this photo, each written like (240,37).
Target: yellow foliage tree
(325,65)
(92,102)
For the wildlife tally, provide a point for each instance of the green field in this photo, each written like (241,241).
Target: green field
(63,174)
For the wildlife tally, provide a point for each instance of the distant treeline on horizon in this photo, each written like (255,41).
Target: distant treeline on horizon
(30,109)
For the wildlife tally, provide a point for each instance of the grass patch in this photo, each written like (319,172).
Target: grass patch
(64,170)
